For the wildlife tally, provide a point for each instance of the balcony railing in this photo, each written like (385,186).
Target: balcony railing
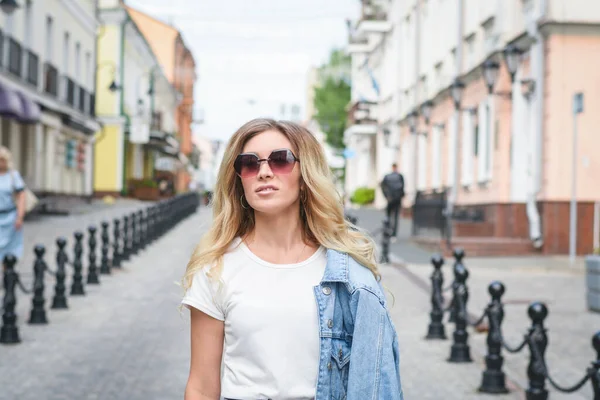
(70,89)
(15,57)
(50,79)
(33,66)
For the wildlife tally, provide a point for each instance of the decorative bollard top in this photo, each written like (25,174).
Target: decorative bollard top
(437,261)
(61,242)
(39,250)
(461,274)
(78,235)
(595,343)
(117,221)
(104,224)
(92,229)
(496,290)
(10,261)
(537,312)
(459,254)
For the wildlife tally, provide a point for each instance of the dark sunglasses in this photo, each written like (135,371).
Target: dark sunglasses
(280,161)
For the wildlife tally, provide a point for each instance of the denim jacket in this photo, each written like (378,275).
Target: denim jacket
(359,356)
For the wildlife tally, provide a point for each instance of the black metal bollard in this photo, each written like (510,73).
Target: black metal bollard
(458,254)
(105,262)
(436,328)
(9,333)
(460,351)
(77,286)
(92,277)
(134,234)
(493,379)
(38,312)
(594,370)
(116,253)
(538,341)
(126,254)
(142,229)
(60,300)
(386,234)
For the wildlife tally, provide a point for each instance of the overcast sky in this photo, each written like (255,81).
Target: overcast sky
(258,50)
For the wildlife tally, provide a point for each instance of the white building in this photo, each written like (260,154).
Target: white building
(47,93)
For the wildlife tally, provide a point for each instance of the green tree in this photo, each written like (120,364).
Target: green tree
(332,95)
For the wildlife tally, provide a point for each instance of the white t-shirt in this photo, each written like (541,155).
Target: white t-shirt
(271,347)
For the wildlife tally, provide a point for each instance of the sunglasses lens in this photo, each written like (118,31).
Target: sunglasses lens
(282,161)
(246,165)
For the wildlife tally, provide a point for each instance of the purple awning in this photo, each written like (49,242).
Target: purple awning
(11,105)
(31,110)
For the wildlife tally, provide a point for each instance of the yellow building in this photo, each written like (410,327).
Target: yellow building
(135,103)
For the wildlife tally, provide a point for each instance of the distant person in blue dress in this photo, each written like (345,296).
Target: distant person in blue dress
(12,207)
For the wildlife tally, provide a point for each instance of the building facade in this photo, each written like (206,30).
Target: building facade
(47,94)
(485,115)
(136,104)
(179,66)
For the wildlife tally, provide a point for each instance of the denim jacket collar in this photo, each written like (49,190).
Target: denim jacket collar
(338,269)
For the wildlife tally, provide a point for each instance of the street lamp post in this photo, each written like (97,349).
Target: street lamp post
(491,70)
(511,57)
(9,6)
(456,91)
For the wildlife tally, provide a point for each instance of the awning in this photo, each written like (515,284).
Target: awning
(31,110)
(11,105)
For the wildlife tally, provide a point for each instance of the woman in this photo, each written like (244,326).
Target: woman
(282,294)
(12,207)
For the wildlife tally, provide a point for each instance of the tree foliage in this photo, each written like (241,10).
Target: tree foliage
(332,95)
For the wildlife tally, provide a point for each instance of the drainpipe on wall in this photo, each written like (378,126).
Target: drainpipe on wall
(122,105)
(457,134)
(536,143)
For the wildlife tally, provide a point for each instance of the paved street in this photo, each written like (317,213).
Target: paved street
(127,340)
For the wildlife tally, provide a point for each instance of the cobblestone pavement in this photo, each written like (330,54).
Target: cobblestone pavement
(127,340)
(527,279)
(124,340)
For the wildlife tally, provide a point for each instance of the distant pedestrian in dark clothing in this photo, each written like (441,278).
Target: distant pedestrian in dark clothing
(393,190)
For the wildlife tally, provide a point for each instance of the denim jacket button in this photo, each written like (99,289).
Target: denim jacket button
(330,323)
(341,355)
(329,365)
(326,290)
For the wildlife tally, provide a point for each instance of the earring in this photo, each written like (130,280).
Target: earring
(242,202)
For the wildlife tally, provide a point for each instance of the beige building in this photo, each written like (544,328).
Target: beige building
(485,110)
(47,92)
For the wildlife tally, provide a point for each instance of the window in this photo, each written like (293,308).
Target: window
(439,79)
(489,35)
(88,79)
(486,142)
(476,141)
(436,164)
(422,162)
(78,61)
(451,150)
(28,26)
(467,151)
(66,42)
(49,37)
(470,44)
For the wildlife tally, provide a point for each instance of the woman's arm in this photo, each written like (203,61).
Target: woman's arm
(207,335)
(20,203)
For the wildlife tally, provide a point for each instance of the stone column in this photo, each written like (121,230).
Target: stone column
(15,133)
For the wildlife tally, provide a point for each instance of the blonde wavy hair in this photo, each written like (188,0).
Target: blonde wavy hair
(322,212)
